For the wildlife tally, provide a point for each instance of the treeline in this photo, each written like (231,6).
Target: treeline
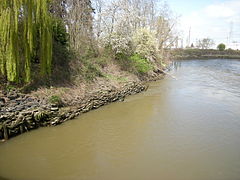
(178,54)
(42,39)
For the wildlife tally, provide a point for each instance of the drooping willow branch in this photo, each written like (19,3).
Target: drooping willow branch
(25,25)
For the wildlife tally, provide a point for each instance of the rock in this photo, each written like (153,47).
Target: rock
(20,100)
(121,99)
(54,108)
(31,104)
(21,113)
(28,118)
(12,96)
(72,116)
(13,103)
(30,99)
(1,104)
(54,105)
(2,100)
(25,113)
(55,121)
(3,118)
(19,108)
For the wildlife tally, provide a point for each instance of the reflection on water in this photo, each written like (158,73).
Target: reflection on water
(184,129)
(2,178)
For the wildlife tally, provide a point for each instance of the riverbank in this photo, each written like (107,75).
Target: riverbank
(20,113)
(180,54)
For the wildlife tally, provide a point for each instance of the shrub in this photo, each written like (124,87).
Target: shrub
(140,64)
(123,61)
(91,71)
(221,47)
(59,32)
(118,42)
(56,100)
(85,68)
(144,43)
(103,58)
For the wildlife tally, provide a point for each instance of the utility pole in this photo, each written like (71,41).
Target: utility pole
(231,31)
(189,37)
(230,35)
(176,42)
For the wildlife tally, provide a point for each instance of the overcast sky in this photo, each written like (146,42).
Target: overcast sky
(216,19)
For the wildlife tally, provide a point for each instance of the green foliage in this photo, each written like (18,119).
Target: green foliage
(40,116)
(141,64)
(91,71)
(59,32)
(221,47)
(123,61)
(25,27)
(55,100)
(86,68)
(144,43)
(135,63)
(121,56)
(62,54)
(116,78)
(10,87)
(90,52)
(102,61)
(102,58)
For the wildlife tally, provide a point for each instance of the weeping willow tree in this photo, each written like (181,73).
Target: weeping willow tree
(25,31)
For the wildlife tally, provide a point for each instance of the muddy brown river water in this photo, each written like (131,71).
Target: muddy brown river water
(182,128)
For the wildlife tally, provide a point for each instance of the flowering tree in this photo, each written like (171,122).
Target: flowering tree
(121,23)
(144,43)
(120,43)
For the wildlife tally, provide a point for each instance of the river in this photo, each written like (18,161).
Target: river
(185,127)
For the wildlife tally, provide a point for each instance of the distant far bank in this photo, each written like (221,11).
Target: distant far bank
(180,54)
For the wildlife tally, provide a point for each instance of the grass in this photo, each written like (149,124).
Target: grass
(116,78)
(55,100)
